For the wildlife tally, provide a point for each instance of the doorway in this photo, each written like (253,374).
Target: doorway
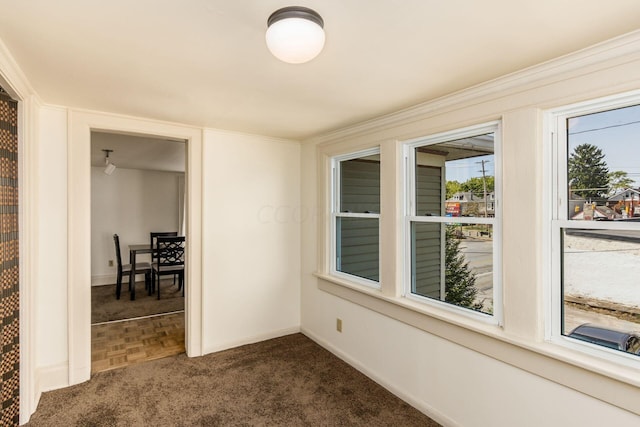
(81,124)
(137,187)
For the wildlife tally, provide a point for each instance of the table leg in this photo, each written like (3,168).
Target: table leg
(132,276)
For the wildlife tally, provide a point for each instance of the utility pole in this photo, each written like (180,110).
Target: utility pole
(484,185)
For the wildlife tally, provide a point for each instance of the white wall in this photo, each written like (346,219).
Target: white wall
(251,238)
(452,384)
(130,203)
(250,280)
(254,232)
(457,370)
(243,229)
(51,241)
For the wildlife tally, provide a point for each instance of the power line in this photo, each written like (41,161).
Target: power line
(605,127)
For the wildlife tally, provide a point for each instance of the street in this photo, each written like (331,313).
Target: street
(577,316)
(479,255)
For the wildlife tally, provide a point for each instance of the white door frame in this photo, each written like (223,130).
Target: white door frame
(81,123)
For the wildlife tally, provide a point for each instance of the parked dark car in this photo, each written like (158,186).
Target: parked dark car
(619,340)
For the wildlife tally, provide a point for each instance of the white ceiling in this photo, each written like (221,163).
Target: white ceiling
(205,63)
(138,152)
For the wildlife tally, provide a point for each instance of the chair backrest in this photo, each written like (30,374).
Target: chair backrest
(153,236)
(116,240)
(170,250)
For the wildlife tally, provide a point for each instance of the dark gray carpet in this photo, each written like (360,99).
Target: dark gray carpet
(105,307)
(288,381)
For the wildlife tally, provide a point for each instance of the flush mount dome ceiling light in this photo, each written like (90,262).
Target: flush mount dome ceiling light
(295,34)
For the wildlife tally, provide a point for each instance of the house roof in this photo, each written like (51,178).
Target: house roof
(625,195)
(598,212)
(205,63)
(468,196)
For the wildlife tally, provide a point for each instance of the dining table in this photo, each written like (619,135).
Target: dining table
(134,250)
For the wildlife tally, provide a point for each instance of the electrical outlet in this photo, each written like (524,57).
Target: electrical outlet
(110,263)
(339,325)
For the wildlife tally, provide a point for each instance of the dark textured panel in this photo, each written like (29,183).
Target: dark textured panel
(9,273)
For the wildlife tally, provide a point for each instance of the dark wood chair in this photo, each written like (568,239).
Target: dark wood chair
(141,267)
(169,259)
(153,236)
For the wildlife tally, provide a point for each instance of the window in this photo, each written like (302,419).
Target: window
(452,221)
(355,217)
(595,226)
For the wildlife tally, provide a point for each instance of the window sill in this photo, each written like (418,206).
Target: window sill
(603,379)
(474,321)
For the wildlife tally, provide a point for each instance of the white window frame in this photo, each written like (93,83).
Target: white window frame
(556,218)
(409,217)
(335,214)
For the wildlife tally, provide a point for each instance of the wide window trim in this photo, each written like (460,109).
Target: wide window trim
(556,219)
(591,375)
(410,217)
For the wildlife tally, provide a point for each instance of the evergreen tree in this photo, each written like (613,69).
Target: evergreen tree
(588,172)
(459,279)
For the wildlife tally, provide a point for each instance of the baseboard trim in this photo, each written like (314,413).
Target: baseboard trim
(426,409)
(251,340)
(52,378)
(110,279)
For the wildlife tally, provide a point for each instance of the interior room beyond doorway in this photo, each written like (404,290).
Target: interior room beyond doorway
(137,187)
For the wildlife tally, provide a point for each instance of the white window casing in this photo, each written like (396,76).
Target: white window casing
(412,217)
(338,214)
(556,220)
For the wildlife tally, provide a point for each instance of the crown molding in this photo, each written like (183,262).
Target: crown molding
(598,55)
(13,79)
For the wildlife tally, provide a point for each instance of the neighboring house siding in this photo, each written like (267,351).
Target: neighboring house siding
(427,250)
(360,192)
(428,190)
(427,264)
(359,248)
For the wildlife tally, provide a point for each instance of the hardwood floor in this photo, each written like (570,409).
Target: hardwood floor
(123,343)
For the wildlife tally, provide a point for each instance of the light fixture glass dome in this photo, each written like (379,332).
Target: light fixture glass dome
(295,34)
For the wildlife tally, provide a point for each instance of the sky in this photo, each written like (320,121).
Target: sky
(463,169)
(616,133)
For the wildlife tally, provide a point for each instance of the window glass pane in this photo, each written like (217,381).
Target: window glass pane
(360,185)
(357,247)
(459,272)
(456,178)
(428,190)
(603,170)
(426,242)
(600,290)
